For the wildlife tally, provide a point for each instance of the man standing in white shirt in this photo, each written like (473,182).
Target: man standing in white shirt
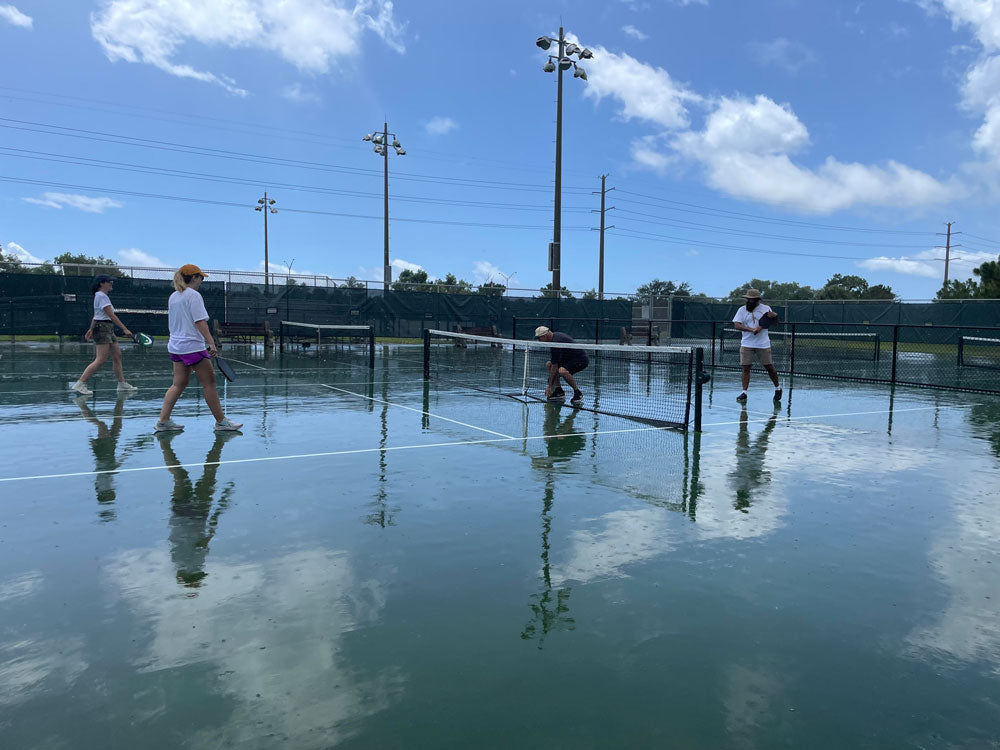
(755,343)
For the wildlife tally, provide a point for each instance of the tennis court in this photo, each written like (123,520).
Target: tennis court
(380,560)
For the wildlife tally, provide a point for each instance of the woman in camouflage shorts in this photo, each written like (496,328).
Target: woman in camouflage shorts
(102,331)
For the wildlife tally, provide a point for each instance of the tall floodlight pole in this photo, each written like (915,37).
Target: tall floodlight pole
(382,143)
(559,63)
(266,206)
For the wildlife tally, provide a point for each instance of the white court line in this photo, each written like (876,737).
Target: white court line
(322,454)
(780,418)
(356,451)
(418,411)
(248,364)
(257,386)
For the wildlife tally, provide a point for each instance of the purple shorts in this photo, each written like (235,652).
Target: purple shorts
(190,359)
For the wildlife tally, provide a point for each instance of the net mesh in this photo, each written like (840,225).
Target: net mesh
(307,336)
(810,345)
(649,384)
(979,351)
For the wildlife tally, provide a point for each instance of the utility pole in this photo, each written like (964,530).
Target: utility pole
(265,205)
(947,249)
(557,64)
(382,143)
(600,263)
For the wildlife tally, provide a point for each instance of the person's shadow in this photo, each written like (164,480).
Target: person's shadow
(105,449)
(749,474)
(194,510)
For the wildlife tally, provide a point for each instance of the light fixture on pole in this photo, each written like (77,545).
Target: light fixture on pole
(558,63)
(266,206)
(381,146)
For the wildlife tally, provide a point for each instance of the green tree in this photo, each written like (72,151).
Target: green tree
(492,289)
(78,264)
(11,263)
(352,283)
(589,294)
(773,290)
(853,287)
(451,284)
(989,278)
(662,289)
(956,289)
(548,291)
(411,281)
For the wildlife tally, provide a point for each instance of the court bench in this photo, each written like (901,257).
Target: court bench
(641,332)
(490,331)
(242,333)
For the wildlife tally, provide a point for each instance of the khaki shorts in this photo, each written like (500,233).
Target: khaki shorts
(104,332)
(747,354)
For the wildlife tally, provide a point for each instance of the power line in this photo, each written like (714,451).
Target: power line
(187,199)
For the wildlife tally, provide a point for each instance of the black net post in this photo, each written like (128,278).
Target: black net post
(427,353)
(513,329)
(713,343)
(371,347)
(895,349)
(791,356)
(281,337)
(597,330)
(699,379)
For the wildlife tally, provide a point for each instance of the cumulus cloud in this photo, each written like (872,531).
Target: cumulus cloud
(133,256)
(440,125)
(296,93)
(928,263)
(90,205)
(312,35)
(12,248)
(404,265)
(12,15)
(782,53)
(484,271)
(634,32)
(643,91)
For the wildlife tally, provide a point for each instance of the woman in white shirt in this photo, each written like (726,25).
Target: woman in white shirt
(102,331)
(191,347)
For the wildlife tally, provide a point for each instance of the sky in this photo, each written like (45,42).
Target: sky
(778,139)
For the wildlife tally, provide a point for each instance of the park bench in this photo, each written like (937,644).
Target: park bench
(639,333)
(242,333)
(490,330)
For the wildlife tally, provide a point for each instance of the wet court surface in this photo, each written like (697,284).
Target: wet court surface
(377,561)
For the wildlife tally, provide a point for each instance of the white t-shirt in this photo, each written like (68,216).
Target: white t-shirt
(185,309)
(101,300)
(752,320)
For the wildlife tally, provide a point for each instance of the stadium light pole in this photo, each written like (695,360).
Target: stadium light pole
(265,205)
(382,143)
(558,63)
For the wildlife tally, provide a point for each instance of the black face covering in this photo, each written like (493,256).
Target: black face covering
(752,303)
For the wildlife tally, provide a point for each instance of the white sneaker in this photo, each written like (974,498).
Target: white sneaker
(168,426)
(227,425)
(81,388)
(124,387)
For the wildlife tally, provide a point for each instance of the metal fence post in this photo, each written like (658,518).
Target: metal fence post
(791,363)
(895,348)
(699,369)
(427,354)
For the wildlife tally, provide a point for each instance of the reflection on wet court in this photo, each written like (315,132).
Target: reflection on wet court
(384,561)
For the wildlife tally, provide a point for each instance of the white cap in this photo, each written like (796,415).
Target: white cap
(541,331)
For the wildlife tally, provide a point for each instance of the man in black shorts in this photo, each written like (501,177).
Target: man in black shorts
(563,363)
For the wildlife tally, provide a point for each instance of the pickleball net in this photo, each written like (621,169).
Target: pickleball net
(661,385)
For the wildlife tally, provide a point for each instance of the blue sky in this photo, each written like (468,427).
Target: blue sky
(784,139)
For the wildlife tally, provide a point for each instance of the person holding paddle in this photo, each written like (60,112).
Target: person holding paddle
(191,347)
(102,331)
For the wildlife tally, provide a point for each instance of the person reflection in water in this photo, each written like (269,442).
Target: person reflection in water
(105,449)
(195,513)
(749,475)
(566,441)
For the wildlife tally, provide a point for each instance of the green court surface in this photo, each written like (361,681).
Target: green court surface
(383,562)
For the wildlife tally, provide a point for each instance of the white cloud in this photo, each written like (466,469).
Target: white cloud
(644,92)
(646,153)
(634,32)
(782,53)
(133,256)
(312,35)
(82,202)
(928,264)
(484,271)
(404,265)
(12,15)
(295,93)
(745,149)
(12,248)
(440,125)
